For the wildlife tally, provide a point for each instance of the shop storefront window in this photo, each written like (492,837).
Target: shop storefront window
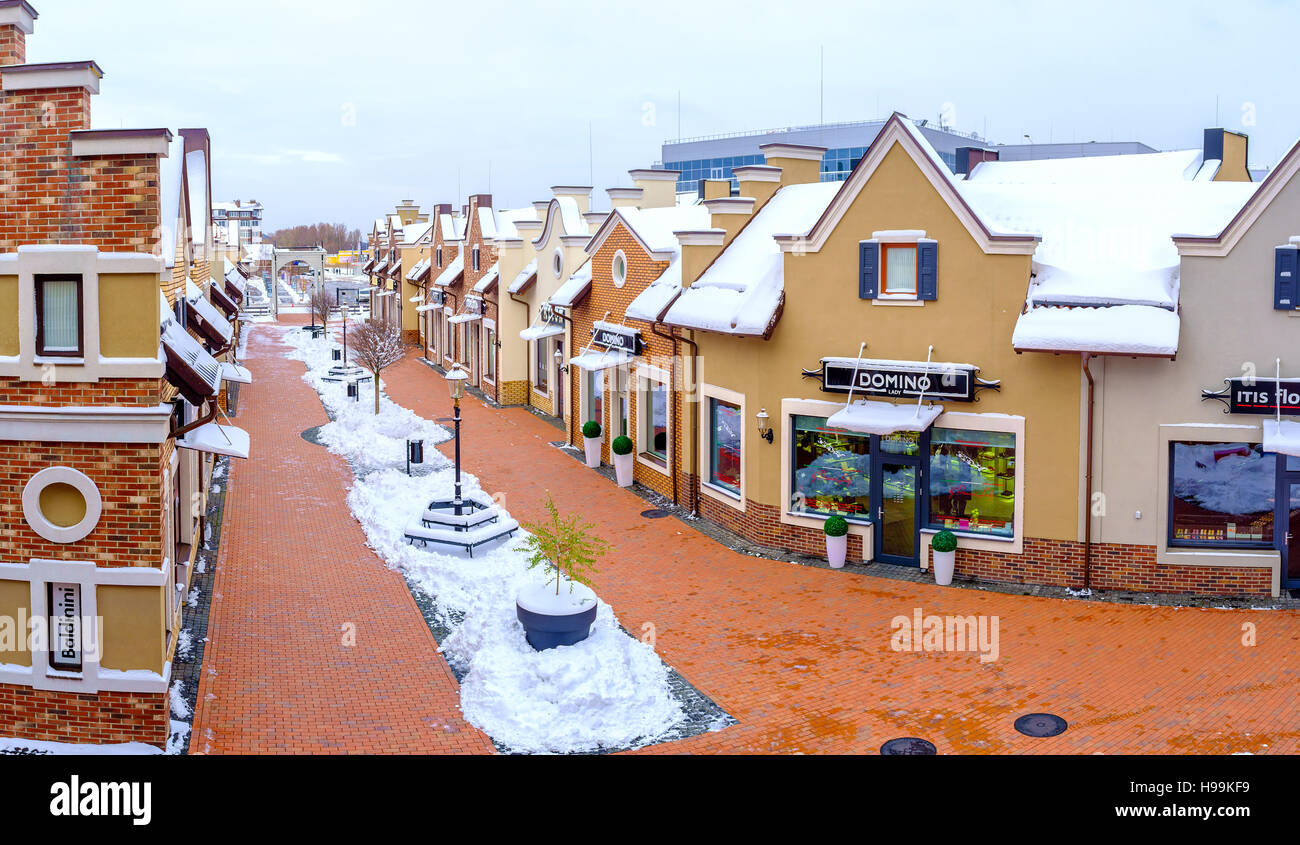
(1221,494)
(724,445)
(541,365)
(491,354)
(594,406)
(831,470)
(973,481)
(654,420)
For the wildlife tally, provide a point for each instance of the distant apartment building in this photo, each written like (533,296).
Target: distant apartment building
(238,223)
(716,156)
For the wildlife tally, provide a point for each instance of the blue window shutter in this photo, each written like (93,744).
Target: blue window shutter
(927,270)
(1286,268)
(868,269)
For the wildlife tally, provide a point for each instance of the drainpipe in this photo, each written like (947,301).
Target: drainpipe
(654,327)
(695,428)
(1087,482)
(528,321)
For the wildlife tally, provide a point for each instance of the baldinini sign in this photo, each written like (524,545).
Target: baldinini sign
(865,377)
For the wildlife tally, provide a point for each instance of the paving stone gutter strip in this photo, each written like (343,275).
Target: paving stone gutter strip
(187,664)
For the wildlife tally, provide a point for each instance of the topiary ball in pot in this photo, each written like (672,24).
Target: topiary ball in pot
(836,529)
(944,541)
(591,428)
(622,445)
(836,526)
(943,547)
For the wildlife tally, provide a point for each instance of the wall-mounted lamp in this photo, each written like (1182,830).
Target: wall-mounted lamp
(764,427)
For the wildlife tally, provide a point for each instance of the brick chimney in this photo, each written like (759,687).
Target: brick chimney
(968,157)
(800,164)
(17,21)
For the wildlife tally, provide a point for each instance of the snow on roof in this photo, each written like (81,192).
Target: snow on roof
(1142,168)
(196,169)
(1117,330)
(740,291)
(521,280)
(574,288)
(570,216)
(655,226)
(415,233)
(419,268)
(453,228)
(171,183)
(451,272)
(489,279)
(501,224)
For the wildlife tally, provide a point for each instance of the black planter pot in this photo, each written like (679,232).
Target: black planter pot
(544,630)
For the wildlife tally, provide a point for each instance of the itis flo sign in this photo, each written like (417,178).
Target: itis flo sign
(617,337)
(898,378)
(1263,396)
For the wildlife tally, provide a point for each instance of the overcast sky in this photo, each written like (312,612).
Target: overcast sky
(334,111)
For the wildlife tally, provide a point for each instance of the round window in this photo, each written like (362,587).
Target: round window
(557,262)
(618,269)
(61,504)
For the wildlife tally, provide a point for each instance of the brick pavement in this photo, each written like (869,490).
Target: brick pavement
(293,570)
(801,656)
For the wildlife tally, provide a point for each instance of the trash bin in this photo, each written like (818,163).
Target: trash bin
(353,393)
(338,354)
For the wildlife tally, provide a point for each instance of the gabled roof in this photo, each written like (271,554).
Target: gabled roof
(653,228)
(1221,243)
(901,132)
(453,228)
(415,233)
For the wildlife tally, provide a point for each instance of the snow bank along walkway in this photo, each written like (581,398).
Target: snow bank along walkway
(802,656)
(295,585)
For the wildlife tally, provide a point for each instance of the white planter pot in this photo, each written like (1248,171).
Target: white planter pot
(836,549)
(592,447)
(943,566)
(623,469)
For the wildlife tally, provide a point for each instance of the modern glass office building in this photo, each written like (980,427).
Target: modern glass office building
(715,156)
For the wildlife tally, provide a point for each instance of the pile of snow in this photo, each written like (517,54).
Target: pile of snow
(14,745)
(365,439)
(609,691)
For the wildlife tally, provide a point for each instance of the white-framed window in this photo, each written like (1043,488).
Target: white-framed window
(722,445)
(542,365)
(59,321)
(439,251)
(618,269)
(62,504)
(654,417)
(557,262)
(474,258)
(490,351)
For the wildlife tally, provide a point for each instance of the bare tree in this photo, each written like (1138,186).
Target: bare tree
(319,300)
(375,345)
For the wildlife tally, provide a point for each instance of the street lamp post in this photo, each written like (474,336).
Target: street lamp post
(456,384)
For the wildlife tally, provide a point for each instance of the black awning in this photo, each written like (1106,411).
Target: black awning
(212,327)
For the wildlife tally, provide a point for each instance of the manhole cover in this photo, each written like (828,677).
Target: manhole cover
(1041,724)
(557,443)
(907,745)
(655,513)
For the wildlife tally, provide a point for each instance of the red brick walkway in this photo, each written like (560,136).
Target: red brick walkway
(802,658)
(293,575)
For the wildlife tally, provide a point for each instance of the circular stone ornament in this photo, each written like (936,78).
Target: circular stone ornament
(907,745)
(48,527)
(1041,725)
